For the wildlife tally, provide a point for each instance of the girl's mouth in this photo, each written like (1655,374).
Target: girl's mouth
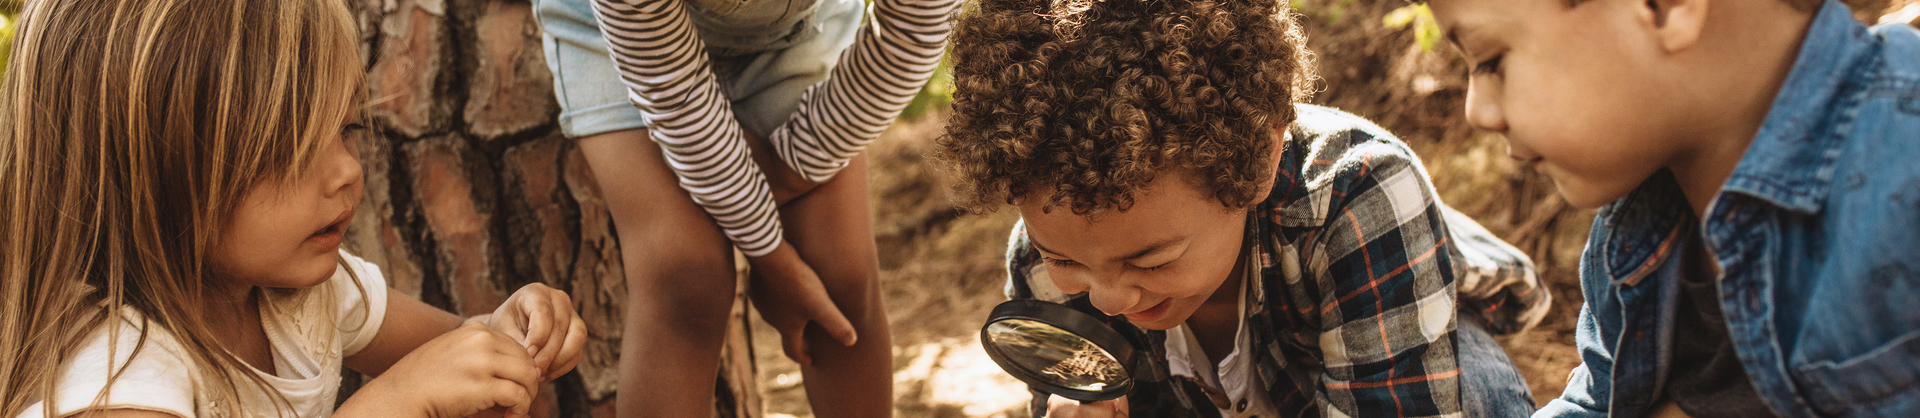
(333,233)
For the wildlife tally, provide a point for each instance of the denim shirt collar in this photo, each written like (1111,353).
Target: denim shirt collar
(1790,163)
(1642,229)
(1791,160)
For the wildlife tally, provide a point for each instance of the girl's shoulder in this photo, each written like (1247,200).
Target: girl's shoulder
(144,366)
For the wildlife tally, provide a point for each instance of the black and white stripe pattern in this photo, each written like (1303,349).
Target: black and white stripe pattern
(664,64)
(885,68)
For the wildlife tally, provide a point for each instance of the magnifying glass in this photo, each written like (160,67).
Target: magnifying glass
(1062,351)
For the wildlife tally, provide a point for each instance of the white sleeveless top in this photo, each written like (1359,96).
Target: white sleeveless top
(310,331)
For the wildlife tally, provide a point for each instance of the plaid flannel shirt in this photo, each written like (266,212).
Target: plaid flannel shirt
(1360,267)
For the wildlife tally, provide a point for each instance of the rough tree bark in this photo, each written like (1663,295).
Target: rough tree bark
(472,192)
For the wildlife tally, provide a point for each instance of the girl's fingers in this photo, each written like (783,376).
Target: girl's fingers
(569,352)
(517,399)
(519,369)
(539,322)
(500,342)
(560,318)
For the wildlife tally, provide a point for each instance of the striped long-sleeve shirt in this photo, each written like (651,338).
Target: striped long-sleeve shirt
(664,65)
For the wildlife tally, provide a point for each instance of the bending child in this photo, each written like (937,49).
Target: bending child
(695,74)
(175,195)
(1290,260)
(1753,162)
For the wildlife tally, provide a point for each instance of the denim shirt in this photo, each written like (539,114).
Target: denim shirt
(1818,233)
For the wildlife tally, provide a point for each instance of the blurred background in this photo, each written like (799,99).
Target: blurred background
(472,192)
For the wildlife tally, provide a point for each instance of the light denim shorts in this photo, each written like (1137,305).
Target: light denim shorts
(764,73)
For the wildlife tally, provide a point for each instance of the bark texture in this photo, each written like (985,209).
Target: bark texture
(472,192)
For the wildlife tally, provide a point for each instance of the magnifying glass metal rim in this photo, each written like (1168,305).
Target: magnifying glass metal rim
(1074,322)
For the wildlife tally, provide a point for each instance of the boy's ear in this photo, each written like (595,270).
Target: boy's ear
(1676,24)
(1273,164)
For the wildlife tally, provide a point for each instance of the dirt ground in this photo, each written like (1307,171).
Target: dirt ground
(941,271)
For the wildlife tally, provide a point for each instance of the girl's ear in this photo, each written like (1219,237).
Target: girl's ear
(1676,24)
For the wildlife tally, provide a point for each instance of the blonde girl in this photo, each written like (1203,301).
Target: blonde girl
(174,185)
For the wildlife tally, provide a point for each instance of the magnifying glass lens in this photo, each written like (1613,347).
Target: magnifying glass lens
(1053,354)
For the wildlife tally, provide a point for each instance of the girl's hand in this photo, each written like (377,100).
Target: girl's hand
(543,320)
(1058,407)
(460,373)
(789,295)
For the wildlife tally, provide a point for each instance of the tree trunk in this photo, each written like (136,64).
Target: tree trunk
(471,191)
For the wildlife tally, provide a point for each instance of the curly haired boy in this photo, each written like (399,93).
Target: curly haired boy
(1288,259)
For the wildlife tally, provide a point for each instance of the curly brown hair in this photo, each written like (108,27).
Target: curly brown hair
(1093,98)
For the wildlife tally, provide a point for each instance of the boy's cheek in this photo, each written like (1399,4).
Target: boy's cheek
(1066,281)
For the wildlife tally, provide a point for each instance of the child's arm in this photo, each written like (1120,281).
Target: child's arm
(1389,307)
(425,359)
(889,62)
(1588,393)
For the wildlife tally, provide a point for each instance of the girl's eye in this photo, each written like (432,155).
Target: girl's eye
(1154,267)
(352,127)
(1490,66)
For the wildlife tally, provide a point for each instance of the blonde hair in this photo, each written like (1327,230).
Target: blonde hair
(129,132)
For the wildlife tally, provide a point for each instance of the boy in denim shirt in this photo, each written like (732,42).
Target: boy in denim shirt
(1287,260)
(1761,252)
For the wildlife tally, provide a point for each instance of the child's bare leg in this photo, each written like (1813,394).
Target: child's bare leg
(680,279)
(832,228)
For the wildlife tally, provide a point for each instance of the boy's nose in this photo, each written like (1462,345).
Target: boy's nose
(1483,107)
(1113,300)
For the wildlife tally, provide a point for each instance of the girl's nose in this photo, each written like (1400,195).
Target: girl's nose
(343,173)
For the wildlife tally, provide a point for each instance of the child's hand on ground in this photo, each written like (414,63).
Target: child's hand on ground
(1058,407)
(460,373)
(542,319)
(790,295)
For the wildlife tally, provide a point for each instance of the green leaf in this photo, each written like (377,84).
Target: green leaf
(1399,18)
(1429,34)
(1426,31)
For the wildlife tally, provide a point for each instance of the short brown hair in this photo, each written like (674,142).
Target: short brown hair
(1802,5)
(1093,98)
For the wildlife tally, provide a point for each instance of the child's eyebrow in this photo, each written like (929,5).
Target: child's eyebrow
(1453,38)
(1155,247)
(1150,249)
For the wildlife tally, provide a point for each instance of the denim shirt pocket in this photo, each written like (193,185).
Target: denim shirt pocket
(1877,383)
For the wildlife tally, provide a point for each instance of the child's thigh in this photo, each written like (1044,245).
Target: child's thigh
(832,228)
(671,248)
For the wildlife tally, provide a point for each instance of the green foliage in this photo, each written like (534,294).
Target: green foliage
(937,94)
(1425,30)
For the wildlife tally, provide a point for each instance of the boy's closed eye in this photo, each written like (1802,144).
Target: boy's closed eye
(1489,66)
(1060,262)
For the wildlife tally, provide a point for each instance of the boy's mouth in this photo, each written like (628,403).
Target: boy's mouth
(1152,314)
